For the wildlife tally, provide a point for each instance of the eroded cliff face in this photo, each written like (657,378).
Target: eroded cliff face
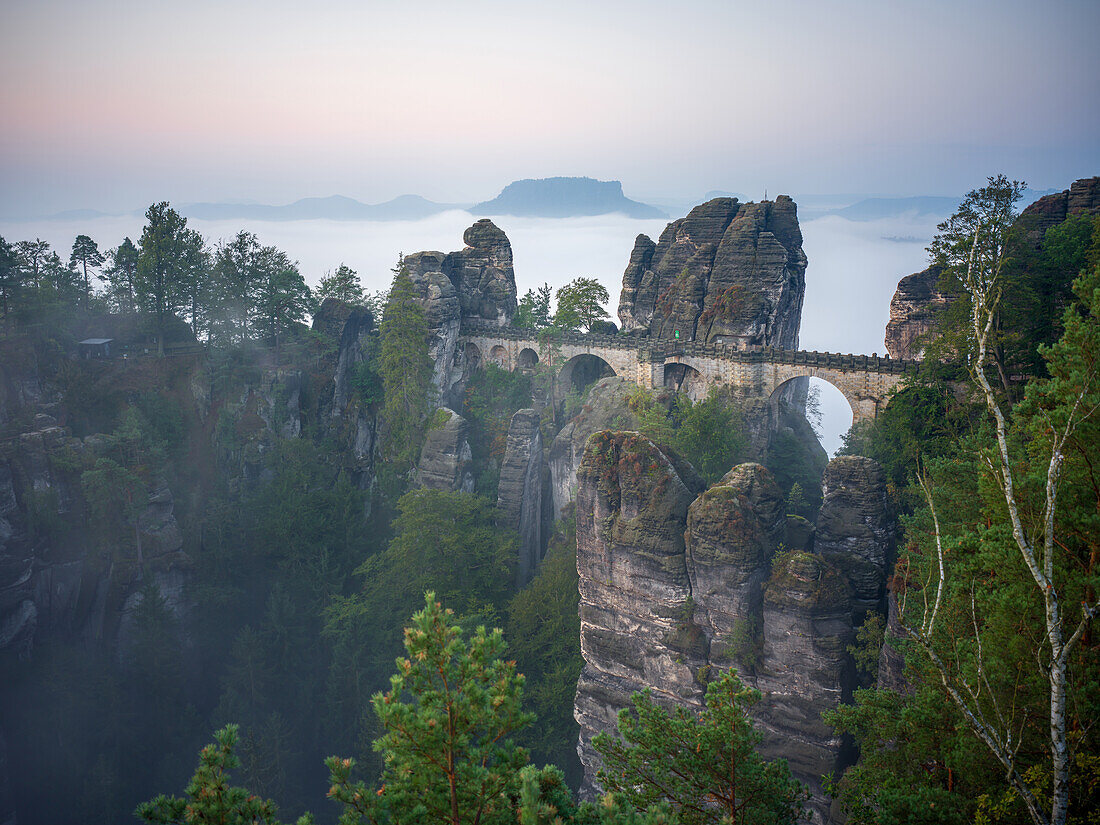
(727,272)
(520,491)
(445,459)
(476,283)
(855,527)
(636,618)
(605,408)
(916,303)
(678,582)
(56,576)
(913,311)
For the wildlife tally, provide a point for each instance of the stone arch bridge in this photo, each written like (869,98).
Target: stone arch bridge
(866,381)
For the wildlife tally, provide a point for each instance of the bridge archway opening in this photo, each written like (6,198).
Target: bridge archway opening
(581,371)
(473,357)
(499,356)
(686,379)
(828,410)
(528,359)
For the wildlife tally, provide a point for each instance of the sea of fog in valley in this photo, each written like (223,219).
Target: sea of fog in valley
(854,266)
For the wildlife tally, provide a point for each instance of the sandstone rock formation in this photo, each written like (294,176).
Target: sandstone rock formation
(445,459)
(519,493)
(917,301)
(728,272)
(913,311)
(855,528)
(605,408)
(477,283)
(57,581)
(678,583)
(1082,198)
(805,668)
(636,622)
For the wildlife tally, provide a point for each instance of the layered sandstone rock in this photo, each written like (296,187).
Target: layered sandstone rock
(637,628)
(1082,198)
(519,493)
(913,311)
(728,272)
(678,583)
(916,303)
(855,528)
(445,459)
(475,283)
(605,407)
(805,668)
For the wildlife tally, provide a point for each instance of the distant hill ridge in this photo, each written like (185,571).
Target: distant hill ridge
(565,198)
(333,208)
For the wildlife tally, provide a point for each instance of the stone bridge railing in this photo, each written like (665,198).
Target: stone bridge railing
(867,381)
(662,350)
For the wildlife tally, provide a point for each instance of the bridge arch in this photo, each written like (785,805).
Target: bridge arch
(474,358)
(683,377)
(499,356)
(865,401)
(582,370)
(528,359)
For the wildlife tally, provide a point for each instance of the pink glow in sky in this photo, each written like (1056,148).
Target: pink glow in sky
(111,105)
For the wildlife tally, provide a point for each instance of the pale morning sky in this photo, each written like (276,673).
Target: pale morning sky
(112,105)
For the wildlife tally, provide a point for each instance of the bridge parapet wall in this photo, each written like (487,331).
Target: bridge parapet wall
(865,380)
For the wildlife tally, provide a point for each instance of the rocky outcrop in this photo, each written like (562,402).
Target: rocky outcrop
(637,627)
(56,573)
(477,283)
(733,529)
(263,409)
(1082,198)
(916,302)
(519,497)
(913,311)
(855,528)
(445,459)
(605,407)
(728,272)
(678,584)
(805,668)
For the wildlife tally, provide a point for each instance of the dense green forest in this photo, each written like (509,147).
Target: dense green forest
(309,634)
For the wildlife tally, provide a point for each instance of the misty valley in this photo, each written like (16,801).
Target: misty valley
(416,545)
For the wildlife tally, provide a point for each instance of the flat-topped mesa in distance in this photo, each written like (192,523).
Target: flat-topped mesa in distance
(728,273)
(565,198)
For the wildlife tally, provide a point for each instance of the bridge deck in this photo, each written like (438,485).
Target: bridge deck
(661,350)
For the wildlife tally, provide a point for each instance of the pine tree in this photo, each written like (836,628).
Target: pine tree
(706,766)
(343,285)
(448,717)
(85,254)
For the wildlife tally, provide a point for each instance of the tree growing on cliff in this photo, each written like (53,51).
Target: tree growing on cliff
(449,718)
(706,766)
(159,276)
(580,303)
(121,276)
(343,285)
(406,372)
(534,309)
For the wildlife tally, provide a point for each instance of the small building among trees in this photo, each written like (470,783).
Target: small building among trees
(95,347)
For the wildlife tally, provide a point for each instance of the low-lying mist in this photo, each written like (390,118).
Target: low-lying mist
(853,267)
